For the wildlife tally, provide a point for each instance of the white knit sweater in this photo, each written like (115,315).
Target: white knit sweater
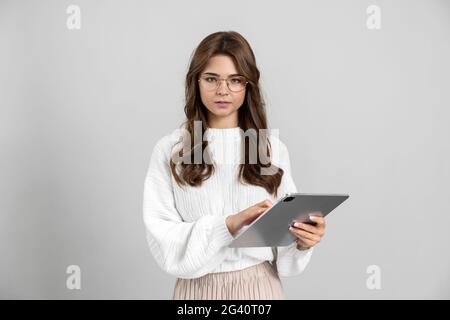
(185,226)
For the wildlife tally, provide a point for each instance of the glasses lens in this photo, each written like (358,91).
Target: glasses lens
(210,83)
(235,84)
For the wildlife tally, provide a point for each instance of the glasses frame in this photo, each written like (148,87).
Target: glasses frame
(220,81)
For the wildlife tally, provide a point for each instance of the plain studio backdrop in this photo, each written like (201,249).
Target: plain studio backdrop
(362,111)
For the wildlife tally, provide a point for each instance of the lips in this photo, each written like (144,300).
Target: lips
(222,104)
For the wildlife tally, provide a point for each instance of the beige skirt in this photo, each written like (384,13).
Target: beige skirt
(258,282)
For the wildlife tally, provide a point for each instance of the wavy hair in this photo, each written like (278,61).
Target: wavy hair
(251,115)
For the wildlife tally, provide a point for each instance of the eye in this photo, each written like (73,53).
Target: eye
(210,79)
(237,80)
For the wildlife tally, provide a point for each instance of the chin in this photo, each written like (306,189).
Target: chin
(224,113)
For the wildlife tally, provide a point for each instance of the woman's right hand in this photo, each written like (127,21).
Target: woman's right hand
(236,221)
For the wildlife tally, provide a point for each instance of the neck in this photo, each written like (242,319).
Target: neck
(222,122)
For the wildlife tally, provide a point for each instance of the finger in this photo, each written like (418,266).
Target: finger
(256,211)
(260,207)
(251,216)
(319,220)
(304,234)
(309,228)
(265,203)
(252,213)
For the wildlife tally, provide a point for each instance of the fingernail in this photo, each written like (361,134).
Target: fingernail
(297,224)
(313,218)
(290,228)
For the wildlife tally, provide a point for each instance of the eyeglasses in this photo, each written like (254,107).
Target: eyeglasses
(234,83)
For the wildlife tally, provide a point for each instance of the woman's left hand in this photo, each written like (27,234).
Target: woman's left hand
(309,235)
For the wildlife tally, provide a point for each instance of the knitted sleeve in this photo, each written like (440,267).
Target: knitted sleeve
(183,249)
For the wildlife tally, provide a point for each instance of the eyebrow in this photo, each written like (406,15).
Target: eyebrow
(215,74)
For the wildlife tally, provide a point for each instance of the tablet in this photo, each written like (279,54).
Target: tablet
(272,227)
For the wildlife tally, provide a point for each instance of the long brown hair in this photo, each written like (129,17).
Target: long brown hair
(251,115)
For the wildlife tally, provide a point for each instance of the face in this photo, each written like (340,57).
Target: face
(221,114)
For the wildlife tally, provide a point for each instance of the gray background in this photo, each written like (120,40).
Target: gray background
(361,111)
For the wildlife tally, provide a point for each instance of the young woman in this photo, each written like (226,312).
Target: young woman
(202,186)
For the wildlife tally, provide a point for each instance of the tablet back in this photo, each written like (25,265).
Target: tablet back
(272,227)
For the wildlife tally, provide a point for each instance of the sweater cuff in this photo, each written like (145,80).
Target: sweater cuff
(294,252)
(221,233)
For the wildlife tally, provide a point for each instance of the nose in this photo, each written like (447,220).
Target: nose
(222,88)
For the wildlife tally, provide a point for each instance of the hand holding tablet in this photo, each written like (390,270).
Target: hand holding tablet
(271,228)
